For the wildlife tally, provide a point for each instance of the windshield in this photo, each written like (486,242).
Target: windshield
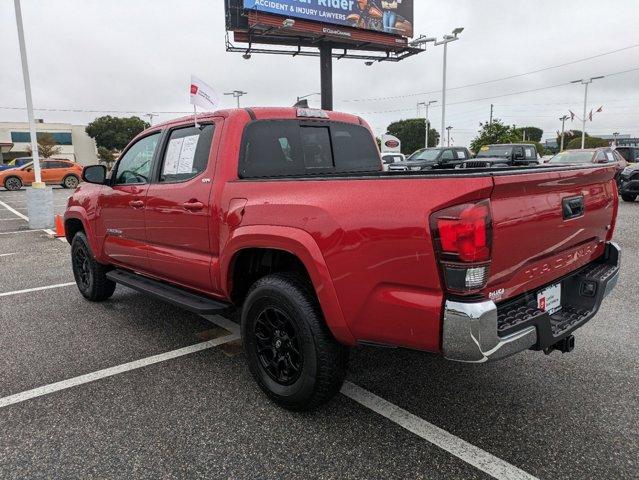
(424,155)
(495,151)
(572,157)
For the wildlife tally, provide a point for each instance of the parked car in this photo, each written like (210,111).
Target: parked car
(512,154)
(62,172)
(429,158)
(16,162)
(630,154)
(629,183)
(603,155)
(287,216)
(389,159)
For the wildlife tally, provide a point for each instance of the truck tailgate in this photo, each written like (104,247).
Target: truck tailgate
(534,239)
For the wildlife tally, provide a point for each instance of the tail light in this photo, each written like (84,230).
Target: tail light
(462,237)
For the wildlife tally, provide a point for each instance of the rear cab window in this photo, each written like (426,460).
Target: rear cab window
(290,148)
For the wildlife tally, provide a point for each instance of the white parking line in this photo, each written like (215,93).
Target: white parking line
(14,211)
(109,372)
(475,456)
(11,220)
(37,289)
(7,254)
(20,231)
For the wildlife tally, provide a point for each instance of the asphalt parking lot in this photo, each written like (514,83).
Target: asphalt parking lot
(136,388)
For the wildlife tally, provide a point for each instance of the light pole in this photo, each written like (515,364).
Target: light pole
(448,129)
(236,94)
(427,105)
(445,41)
(563,129)
(27,90)
(586,82)
(299,99)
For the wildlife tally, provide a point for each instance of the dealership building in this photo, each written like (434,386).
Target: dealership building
(74,143)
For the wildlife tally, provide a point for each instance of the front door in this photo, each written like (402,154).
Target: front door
(179,217)
(122,205)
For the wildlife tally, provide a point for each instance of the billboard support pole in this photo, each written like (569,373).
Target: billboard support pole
(326,68)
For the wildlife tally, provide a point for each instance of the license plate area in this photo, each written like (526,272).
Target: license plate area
(549,299)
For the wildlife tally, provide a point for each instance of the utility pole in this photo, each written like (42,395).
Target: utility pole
(427,105)
(151,116)
(447,39)
(563,129)
(586,82)
(491,114)
(236,94)
(448,131)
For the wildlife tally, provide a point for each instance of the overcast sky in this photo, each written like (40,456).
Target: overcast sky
(138,55)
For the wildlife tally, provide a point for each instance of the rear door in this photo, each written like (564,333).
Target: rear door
(548,224)
(122,205)
(181,226)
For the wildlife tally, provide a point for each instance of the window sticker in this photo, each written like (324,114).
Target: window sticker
(611,157)
(172,156)
(529,153)
(461,155)
(187,154)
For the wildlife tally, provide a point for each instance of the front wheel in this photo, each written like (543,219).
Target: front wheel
(627,197)
(12,184)
(90,276)
(290,351)
(71,182)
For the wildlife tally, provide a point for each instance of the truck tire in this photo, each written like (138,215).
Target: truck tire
(90,276)
(12,184)
(628,197)
(71,182)
(290,351)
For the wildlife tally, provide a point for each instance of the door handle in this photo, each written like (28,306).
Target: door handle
(193,206)
(136,203)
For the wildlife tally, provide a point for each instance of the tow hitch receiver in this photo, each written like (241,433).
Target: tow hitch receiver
(565,345)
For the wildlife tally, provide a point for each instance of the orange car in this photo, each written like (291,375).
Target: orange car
(61,172)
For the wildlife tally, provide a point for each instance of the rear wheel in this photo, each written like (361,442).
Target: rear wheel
(13,183)
(290,351)
(627,197)
(70,181)
(90,276)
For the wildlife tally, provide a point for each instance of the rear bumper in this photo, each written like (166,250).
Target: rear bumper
(628,186)
(482,331)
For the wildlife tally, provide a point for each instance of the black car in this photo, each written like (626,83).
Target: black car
(631,154)
(629,183)
(512,154)
(430,158)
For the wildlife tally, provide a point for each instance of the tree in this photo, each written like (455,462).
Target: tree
(114,133)
(591,142)
(47,146)
(412,133)
(106,156)
(533,134)
(493,133)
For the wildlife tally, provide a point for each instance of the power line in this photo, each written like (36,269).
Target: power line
(375,99)
(501,95)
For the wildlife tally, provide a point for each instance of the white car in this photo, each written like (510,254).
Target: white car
(390,158)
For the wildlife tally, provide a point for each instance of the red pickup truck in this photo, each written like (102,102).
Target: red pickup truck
(286,215)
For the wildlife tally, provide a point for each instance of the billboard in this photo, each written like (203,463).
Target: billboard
(388,16)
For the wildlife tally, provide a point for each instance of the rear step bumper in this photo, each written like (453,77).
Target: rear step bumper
(482,331)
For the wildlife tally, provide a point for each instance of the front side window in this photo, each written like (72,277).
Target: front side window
(186,154)
(135,166)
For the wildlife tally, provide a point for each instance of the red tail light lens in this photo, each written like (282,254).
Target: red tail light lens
(463,236)
(463,232)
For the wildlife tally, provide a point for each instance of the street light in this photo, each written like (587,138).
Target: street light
(426,104)
(236,94)
(585,82)
(445,41)
(448,129)
(563,129)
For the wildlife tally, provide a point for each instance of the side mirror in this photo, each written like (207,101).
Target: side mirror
(94,174)
(29,169)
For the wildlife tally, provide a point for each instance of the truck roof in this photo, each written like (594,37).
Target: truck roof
(262,113)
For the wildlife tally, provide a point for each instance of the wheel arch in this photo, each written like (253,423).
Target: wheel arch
(269,248)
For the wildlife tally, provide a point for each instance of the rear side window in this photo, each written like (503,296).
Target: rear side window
(186,154)
(282,148)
